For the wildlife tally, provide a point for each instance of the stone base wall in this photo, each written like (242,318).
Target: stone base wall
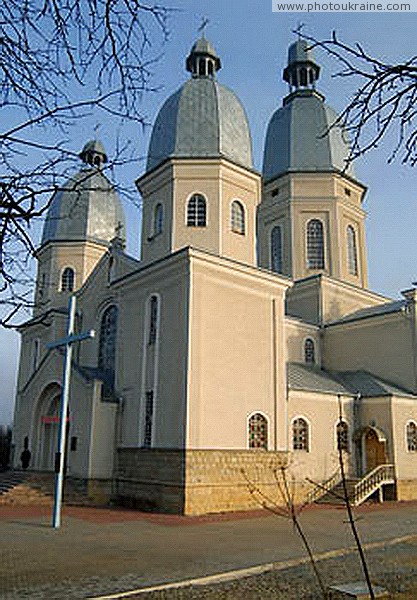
(195,482)
(407,489)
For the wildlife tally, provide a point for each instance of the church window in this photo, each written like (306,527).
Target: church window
(107,350)
(351,249)
(303,76)
(309,352)
(315,244)
(258,431)
(412,436)
(238,217)
(300,434)
(342,434)
(276,249)
(196,211)
(67,280)
(158,219)
(202,66)
(147,438)
(36,350)
(153,320)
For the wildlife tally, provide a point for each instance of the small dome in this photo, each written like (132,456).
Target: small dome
(86,208)
(93,153)
(300,135)
(202,119)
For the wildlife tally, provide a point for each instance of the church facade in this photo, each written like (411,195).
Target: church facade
(245,343)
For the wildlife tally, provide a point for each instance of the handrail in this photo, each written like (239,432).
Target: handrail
(323,488)
(371,482)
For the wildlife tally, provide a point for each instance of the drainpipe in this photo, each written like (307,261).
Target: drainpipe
(411,312)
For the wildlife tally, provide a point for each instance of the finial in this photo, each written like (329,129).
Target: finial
(204,22)
(96,130)
(300,26)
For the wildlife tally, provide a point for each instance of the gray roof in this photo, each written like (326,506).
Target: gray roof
(298,137)
(311,378)
(87,208)
(372,311)
(201,119)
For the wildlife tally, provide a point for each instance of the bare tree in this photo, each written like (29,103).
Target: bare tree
(60,61)
(384,100)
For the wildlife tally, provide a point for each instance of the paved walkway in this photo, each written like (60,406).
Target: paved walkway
(99,551)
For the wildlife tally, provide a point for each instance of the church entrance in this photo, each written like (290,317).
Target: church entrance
(374,450)
(48,429)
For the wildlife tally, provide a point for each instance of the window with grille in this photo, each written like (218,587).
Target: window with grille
(158,219)
(342,432)
(309,351)
(153,320)
(315,244)
(276,249)
(147,437)
(300,434)
(258,431)
(107,350)
(351,250)
(67,280)
(238,217)
(411,437)
(197,211)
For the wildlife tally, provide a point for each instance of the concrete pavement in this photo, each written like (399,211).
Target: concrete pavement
(99,551)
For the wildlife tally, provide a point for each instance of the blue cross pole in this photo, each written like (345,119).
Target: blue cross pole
(68,341)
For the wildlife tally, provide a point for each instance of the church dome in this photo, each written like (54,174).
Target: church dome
(202,119)
(300,136)
(87,207)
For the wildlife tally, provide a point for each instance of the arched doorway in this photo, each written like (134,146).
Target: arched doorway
(375,448)
(47,427)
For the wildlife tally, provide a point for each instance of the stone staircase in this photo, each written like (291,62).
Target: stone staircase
(23,488)
(358,490)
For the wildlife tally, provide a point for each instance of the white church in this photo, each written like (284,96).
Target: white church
(245,339)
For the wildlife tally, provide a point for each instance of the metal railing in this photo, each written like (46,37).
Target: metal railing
(382,474)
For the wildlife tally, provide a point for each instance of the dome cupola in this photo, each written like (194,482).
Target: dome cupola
(87,207)
(301,135)
(203,119)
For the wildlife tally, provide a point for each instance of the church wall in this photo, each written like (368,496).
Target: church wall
(237,350)
(296,333)
(169,281)
(381,345)
(321,411)
(404,410)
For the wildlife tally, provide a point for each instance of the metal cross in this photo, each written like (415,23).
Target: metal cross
(204,22)
(67,341)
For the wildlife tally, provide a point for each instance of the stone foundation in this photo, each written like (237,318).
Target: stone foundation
(407,489)
(195,482)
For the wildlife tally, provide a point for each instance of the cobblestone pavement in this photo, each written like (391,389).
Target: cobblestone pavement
(99,552)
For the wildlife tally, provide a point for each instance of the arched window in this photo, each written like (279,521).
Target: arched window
(158,219)
(276,249)
(315,244)
(309,351)
(153,320)
(351,251)
(411,437)
(342,433)
(300,434)
(238,217)
(36,351)
(258,431)
(149,407)
(196,211)
(107,350)
(67,280)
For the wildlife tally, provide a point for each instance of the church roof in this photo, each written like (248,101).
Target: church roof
(301,135)
(313,379)
(87,207)
(372,311)
(203,119)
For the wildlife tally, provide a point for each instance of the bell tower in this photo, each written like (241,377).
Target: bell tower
(310,220)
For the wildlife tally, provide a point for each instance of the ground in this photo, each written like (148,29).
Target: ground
(103,552)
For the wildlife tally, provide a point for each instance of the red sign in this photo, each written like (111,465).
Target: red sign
(48,419)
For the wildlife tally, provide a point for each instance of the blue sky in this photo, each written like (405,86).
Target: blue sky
(252,43)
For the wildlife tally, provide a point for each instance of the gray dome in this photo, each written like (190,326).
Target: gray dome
(203,118)
(299,135)
(296,138)
(87,208)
